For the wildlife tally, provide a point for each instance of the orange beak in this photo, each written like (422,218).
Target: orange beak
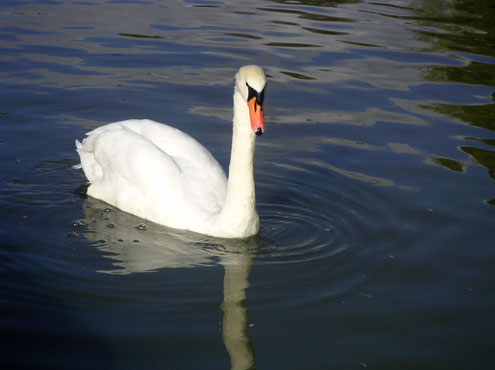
(257,117)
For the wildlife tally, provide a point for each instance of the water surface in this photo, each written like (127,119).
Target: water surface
(374,181)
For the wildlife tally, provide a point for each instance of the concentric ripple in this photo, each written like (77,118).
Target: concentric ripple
(300,220)
(309,219)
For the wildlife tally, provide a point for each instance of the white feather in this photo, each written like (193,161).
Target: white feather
(161,174)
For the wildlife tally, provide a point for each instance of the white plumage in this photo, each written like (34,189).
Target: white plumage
(161,174)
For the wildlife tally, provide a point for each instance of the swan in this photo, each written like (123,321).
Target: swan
(162,174)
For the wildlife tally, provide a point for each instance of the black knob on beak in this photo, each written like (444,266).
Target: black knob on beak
(259,131)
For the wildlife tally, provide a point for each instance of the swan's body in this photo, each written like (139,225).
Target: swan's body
(161,174)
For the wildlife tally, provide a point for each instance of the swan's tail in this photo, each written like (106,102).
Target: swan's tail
(78,150)
(91,168)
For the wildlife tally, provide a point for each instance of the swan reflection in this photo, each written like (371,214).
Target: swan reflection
(137,247)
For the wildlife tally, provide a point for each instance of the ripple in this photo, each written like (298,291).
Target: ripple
(310,219)
(297,234)
(303,219)
(160,247)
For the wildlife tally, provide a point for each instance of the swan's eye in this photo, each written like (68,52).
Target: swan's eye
(252,93)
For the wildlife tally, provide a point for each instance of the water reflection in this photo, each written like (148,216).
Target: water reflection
(367,98)
(467,27)
(136,247)
(483,157)
(478,115)
(462,25)
(235,318)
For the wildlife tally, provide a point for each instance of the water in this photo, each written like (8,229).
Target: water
(374,180)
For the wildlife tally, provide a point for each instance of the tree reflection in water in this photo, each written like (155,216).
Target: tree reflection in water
(462,26)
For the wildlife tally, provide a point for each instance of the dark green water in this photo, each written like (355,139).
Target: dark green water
(375,186)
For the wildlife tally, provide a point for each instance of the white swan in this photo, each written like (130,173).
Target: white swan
(161,174)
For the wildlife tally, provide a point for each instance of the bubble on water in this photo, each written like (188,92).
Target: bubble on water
(77,223)
(110,226)
(72,234)
(141,227)
(107,210)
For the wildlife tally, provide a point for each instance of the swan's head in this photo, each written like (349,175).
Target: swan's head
(251,82)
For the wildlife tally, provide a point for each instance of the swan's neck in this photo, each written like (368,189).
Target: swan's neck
(238,216)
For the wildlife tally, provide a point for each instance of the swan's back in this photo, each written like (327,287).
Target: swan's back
(154,171)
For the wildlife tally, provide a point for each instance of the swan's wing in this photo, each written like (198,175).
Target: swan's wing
(151,169)
(128,171)
(202,176)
